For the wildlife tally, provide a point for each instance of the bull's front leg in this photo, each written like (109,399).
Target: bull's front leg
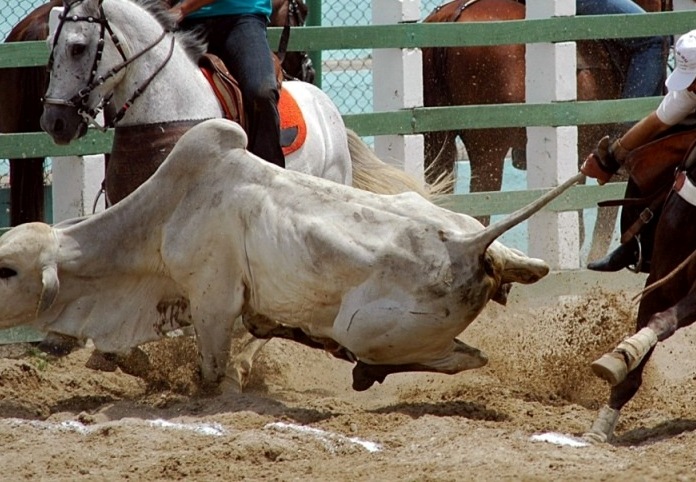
(214,308)
(213,338)
(213,318)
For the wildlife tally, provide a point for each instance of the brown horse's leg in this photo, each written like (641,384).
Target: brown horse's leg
(656,318)
(26,191)
(20,110)
(486,149)
(603,427)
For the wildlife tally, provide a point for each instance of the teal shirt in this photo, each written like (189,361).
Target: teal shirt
(233,7)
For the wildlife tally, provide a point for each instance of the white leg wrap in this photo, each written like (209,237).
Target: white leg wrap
(603,427)
(635,347)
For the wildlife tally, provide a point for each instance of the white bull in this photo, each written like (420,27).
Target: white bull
(216,233)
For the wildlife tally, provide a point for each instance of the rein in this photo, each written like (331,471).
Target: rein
(80,100)
(294,12)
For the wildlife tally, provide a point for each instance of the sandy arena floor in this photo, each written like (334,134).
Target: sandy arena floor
(300,420)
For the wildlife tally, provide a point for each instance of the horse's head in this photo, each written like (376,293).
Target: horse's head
(77,49)
(89,57)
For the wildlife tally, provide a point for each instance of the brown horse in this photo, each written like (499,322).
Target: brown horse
(669,301)
(496,75)
(21,90)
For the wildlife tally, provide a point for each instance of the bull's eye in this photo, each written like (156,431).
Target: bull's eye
(77,49)
(7,273)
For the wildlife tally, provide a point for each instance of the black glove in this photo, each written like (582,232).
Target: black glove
(604,152)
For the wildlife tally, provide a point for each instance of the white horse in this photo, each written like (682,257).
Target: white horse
(123,57)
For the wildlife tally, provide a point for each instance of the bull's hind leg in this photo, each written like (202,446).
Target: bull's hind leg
(262,327)
(463,357)
(247,348)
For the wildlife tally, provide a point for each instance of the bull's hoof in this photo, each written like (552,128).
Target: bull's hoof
(136,363)
(610,367)
(364,376)
(103,362)
(59,345)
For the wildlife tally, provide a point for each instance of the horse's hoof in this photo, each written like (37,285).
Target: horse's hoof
(594,438)
(602,430)
(610,367)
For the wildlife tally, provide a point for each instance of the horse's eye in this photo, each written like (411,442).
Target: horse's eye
(7,273)
(77,49)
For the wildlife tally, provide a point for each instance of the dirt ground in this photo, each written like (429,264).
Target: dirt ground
(300,420)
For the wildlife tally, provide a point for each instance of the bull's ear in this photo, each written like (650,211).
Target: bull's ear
(49,291)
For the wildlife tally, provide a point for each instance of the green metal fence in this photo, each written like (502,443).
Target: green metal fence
(419,120)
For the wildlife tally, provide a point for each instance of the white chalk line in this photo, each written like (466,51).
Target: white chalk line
(210,429)
(329,439)
(559,439)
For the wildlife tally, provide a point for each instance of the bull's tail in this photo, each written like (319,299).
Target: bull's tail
(372,174)
(485,237)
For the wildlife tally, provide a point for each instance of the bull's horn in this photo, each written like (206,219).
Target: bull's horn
(49,291)
(485,237)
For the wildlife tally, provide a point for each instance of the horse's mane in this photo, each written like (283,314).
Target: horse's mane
(193,42)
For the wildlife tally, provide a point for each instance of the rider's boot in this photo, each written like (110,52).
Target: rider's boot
(627,254)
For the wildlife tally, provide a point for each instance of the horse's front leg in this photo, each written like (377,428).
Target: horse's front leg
(627,356)
(623,367)
(603,427)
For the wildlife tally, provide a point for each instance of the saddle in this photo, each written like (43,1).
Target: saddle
(652,170)
(293,130)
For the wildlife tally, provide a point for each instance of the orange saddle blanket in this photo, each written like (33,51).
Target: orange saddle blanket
(293,129)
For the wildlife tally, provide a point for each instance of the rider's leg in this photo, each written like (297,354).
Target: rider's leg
(637,251)
(646,70)
(249,58)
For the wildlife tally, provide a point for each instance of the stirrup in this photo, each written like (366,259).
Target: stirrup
(638,266)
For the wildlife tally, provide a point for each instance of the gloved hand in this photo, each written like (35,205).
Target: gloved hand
(601,163)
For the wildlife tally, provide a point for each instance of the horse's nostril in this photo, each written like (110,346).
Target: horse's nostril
(58,125)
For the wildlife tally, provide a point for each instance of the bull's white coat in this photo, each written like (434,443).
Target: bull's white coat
(216,232)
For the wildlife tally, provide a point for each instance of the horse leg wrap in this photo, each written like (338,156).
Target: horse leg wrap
(635,347)
(603,427)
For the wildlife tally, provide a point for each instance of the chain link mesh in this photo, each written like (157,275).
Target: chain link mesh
(347,74)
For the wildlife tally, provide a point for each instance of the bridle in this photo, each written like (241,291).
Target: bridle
(80,99)
(295,13)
